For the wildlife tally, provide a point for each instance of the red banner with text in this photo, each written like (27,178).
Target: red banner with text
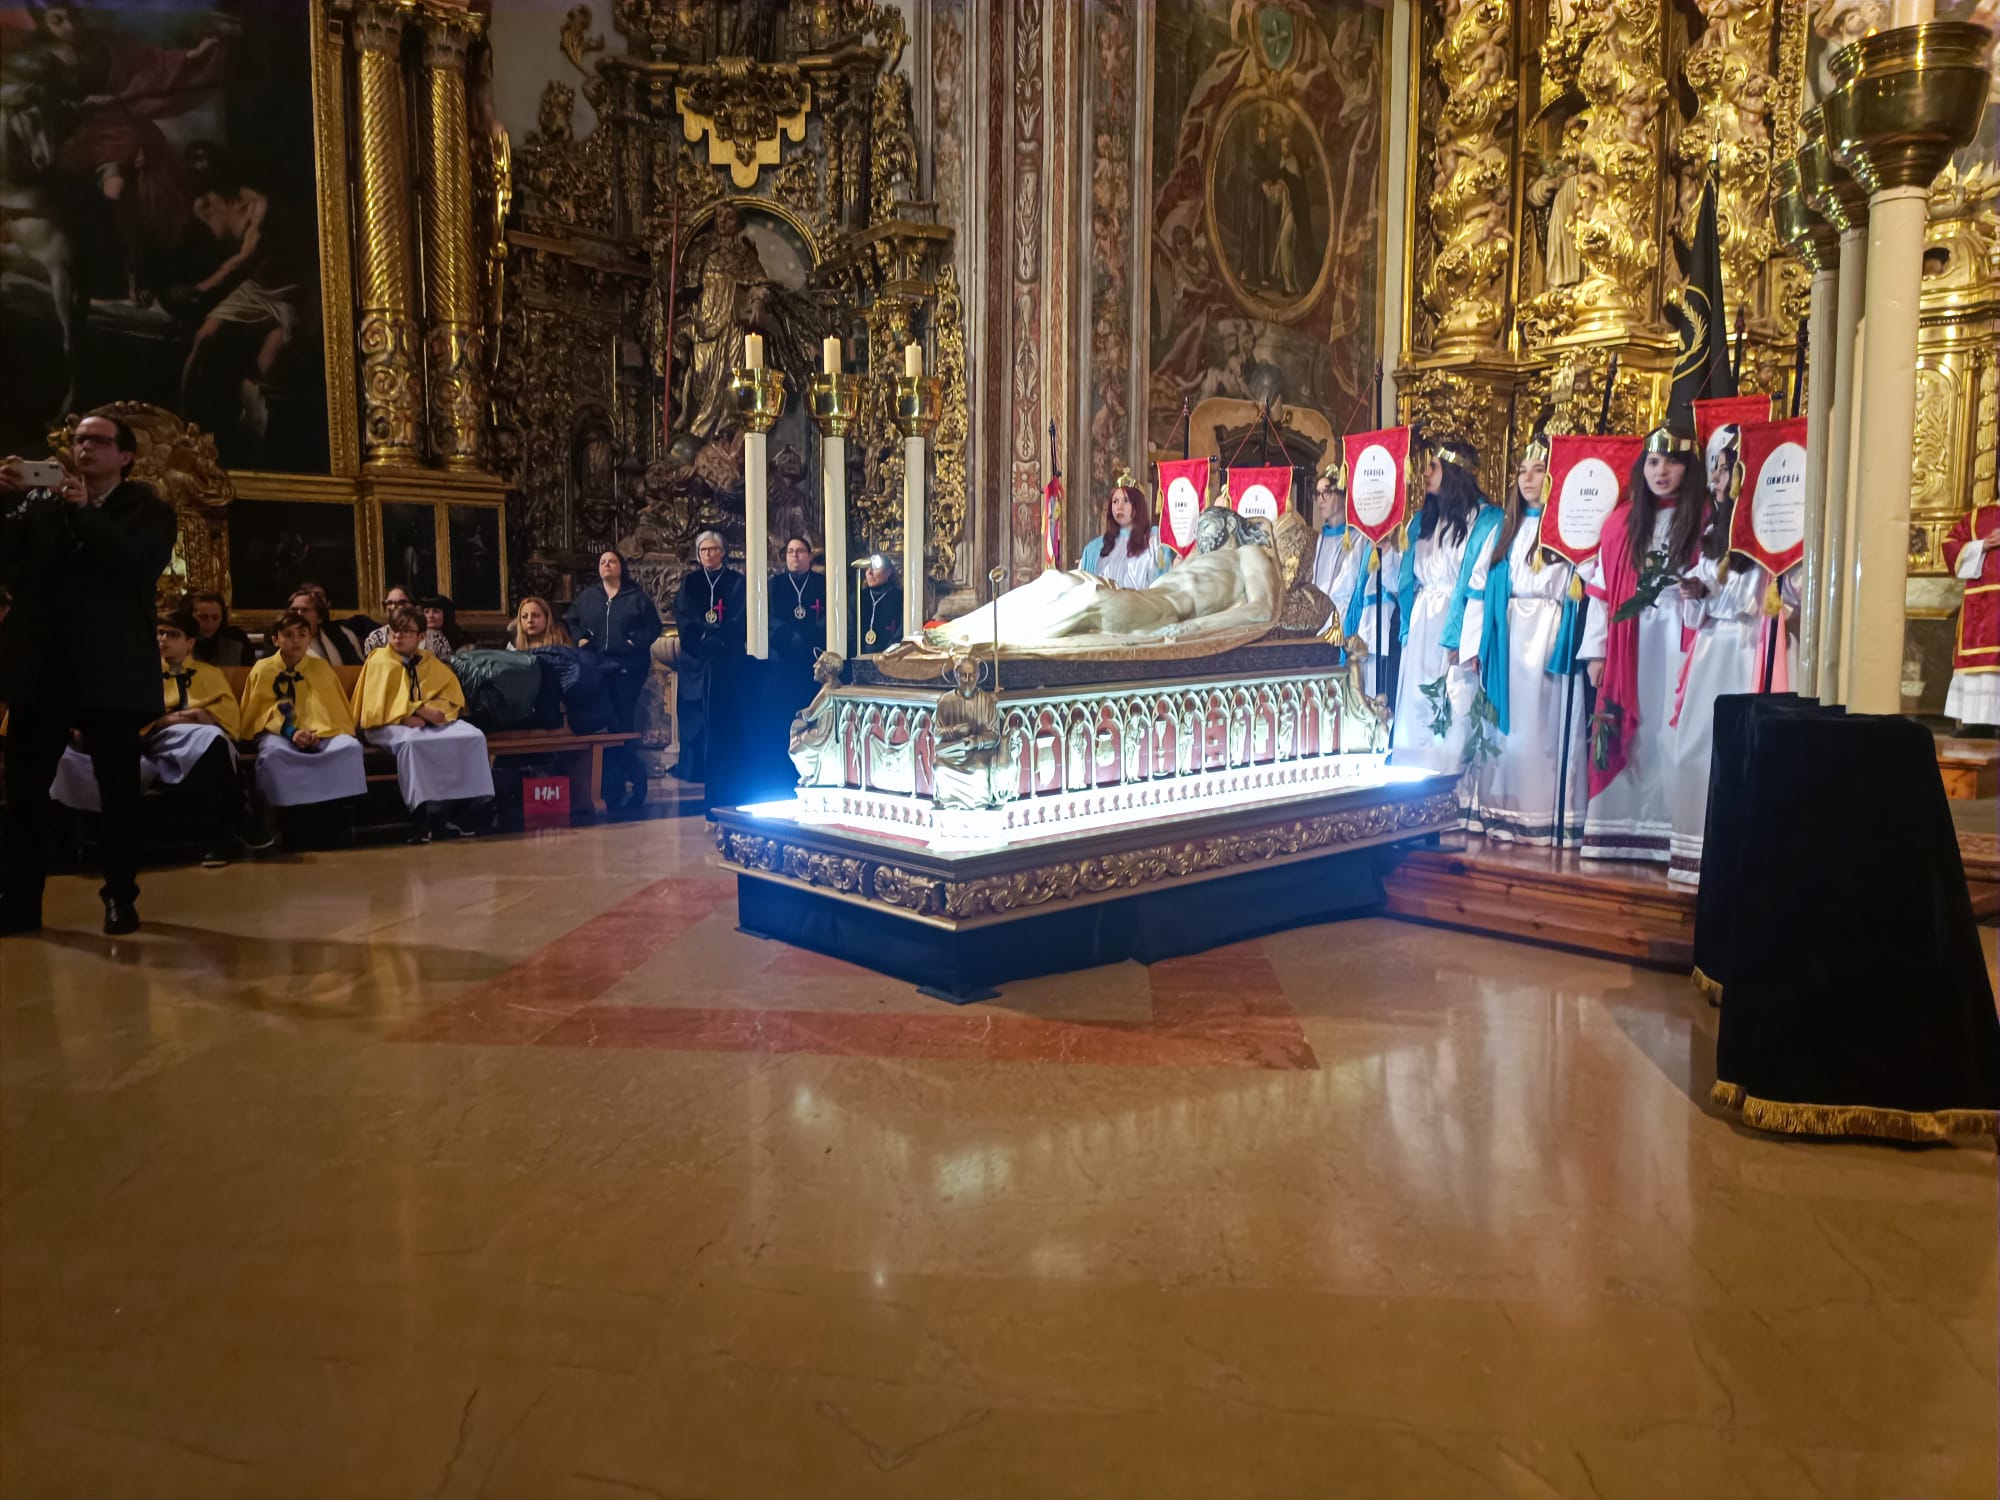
(1378,491)
(1265,494)
(1768,525)
(1586,479)
(1727,411)
(1183,492)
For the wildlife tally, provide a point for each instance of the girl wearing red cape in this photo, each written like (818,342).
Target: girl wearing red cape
(1652,539)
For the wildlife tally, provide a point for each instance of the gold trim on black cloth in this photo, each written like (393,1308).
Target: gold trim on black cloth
(1854,1119)
(1709,989)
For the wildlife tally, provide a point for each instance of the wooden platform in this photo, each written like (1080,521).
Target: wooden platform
(1616,909)
(1969,768)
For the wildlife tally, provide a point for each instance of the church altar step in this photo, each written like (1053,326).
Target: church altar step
(1617,910)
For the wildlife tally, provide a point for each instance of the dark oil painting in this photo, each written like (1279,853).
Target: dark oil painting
(475,557)
(160,240)
(409,547)
(276,545)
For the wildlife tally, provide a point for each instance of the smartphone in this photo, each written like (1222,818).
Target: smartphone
(41,474)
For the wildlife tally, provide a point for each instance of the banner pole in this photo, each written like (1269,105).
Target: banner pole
(1562,766)
(1775,623)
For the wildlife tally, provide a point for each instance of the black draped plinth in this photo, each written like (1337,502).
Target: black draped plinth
(1728,825)
(1856,1000)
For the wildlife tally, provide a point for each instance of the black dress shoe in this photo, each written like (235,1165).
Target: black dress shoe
(217,858)
(120,916)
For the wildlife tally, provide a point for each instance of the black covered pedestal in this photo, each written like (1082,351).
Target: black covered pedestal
(1728,825)
(1856,999)
(964,966)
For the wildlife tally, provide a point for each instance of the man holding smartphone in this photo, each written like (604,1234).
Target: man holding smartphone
(77,654)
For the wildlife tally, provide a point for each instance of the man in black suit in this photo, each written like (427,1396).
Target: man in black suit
(77,653)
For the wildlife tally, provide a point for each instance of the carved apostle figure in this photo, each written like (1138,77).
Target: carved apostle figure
(819,756)
(1555,193)
(970,766)
(729,285)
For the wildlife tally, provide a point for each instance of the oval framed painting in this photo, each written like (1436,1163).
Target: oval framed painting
(1270,206)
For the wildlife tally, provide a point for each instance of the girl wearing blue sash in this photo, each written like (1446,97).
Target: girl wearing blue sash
(1342,571)
(1442,614)
(1533,613)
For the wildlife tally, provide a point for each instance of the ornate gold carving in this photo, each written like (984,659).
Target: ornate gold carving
(329,98)
(1728,70)
(1066,880)
(455,343)
(949,488)
(907,889)
(835,872)
(1616,188)
(743,110)
(391,361)
(1466,286)
(1449,403)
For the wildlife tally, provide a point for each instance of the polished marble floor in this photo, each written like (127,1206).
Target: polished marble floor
(511,1169)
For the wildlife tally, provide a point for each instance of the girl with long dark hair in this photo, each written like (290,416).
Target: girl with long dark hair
(1636,663)
(1129,553)
(1441,611)
(1738,604)
(1529,601)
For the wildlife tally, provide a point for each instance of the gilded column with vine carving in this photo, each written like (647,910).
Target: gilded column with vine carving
(1728,69)
(391,356)
(1471,202)
(1618,182)
(454,340)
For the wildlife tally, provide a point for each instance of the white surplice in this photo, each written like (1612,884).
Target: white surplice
(1517,790)
(1630,819)
(1337,567)
(1411,742)
(1726,657)
(438,763)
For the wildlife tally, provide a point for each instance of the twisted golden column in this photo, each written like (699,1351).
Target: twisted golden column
(391,358)
(1467,283)
(454,340)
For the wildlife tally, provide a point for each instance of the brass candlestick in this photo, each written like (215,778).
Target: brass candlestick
(919,404)
(1829,187)
(1908,98)
(759,396)
(1816,241)
(835,401)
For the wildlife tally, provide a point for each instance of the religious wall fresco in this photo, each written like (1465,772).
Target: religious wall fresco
(1267,158)
(160,240)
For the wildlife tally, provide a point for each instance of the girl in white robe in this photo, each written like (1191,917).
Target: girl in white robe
(1731,621)
(1341,572)
(1629,816)
(1128,519)
(1518,788)
(1443,588)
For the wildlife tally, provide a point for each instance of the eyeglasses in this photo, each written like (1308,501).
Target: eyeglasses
(95,438)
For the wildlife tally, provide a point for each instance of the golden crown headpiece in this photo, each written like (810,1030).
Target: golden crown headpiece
(1537,451)
(1449,451)
(1670,441)
(1126,479)
(1337,472)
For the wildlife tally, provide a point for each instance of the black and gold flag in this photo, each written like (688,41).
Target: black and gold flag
(1701,368)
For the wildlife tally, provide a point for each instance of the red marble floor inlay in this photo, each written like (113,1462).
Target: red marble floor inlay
(1224,1008)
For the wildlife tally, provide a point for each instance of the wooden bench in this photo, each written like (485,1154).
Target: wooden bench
(581,755)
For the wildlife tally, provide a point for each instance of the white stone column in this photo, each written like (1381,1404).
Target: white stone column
(1819,495)
(757,539)
(759,394)
(1908,97)
(833,502)
(1888,418)
(916,484)
(1838,544)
